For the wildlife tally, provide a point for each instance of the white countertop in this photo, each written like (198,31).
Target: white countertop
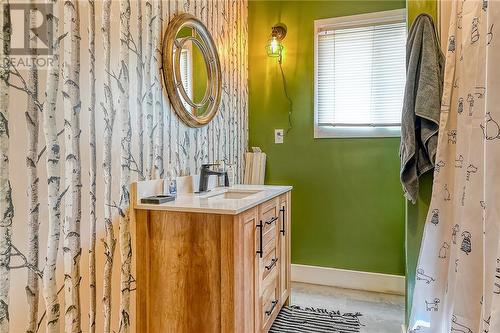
(213,202)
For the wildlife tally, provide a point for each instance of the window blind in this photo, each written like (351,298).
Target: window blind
(361,75)
(185,68)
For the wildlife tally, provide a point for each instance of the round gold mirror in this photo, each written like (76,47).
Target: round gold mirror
(191,70)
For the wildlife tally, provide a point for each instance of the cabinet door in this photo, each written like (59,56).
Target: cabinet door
(250,271)
(284,244)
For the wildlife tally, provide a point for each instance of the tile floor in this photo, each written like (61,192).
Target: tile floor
(381,313)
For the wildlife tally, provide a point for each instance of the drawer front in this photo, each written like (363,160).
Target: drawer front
(270,300)
(269,263)
(270,235)
(267,242)
(269,214)
(267,228)
(269,246)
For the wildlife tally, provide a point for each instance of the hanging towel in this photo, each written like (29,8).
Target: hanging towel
(422,103)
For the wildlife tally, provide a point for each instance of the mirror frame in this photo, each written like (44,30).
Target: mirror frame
(171,71)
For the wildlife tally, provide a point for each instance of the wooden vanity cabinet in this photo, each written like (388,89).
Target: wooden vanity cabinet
(199,272)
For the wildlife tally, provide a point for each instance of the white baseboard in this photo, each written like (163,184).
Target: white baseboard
(343,278)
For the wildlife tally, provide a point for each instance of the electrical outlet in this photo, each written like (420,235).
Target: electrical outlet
(278,135)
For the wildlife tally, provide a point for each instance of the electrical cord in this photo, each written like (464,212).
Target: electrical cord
(290,102)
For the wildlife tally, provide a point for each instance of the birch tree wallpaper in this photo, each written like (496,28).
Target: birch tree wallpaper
(76,130)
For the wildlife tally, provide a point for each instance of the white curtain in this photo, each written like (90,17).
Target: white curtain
(458,274)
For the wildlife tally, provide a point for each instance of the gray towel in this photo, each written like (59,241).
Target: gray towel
(422,104)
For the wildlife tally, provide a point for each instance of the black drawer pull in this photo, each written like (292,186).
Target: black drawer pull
(272,264)
(273,305)
(282,210)
(271,221)
(260,251)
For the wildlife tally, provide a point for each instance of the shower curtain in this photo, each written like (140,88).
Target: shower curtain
(457,285)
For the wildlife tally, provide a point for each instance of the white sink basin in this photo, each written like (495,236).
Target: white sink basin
(232,194)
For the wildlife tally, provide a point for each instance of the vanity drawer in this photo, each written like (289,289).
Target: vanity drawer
(269,245)
(269,263)
(270,300)
(266,243)
(269,214)
(269,236)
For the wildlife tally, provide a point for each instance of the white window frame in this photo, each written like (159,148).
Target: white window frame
(343,23)
(188,49)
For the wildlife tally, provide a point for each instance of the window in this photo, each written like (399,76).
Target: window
(359,75)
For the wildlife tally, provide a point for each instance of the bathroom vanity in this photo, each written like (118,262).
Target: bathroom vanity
(217,262)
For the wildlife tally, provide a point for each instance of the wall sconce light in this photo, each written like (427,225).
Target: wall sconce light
(274,47)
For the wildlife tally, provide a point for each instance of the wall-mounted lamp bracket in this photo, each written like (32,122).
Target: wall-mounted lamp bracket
(279,31)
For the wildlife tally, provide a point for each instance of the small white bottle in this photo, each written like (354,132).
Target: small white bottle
(230,174)
(171,181)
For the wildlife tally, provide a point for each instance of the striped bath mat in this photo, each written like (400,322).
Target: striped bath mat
(293,319)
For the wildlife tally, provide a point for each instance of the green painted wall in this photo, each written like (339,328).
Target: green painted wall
(416,214)
(348,208)
(417,7)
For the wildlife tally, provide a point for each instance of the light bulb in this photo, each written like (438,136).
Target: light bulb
(274,47)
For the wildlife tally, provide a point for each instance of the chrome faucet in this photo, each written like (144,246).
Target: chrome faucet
(205,172)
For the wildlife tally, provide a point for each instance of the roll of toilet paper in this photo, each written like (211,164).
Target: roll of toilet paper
(185,185)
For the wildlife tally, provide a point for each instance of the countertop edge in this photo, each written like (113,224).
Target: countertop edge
(203,210)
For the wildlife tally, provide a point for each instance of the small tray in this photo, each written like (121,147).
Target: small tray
(157,199)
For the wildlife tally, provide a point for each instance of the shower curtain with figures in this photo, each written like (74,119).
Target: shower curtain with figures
(458,274)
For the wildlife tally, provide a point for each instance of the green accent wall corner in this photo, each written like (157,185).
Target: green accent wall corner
(348,206)
(417,7)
